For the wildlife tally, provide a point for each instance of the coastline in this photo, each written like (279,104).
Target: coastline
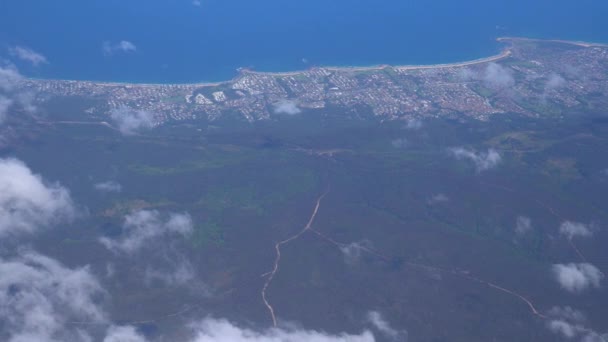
(504,53)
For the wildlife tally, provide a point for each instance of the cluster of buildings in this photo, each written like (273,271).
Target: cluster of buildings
(530,77)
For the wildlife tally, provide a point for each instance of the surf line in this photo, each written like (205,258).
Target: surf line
(277,260)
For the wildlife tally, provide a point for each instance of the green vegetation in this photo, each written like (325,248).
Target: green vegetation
(208,233)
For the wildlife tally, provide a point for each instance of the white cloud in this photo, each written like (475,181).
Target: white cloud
(130,121)
(123,46)
(413,124)
(123,334)
(142,226)
(181,272)
(376,319)
(42,300)
(221,330)
(493,76)
(288,107)
(554,81)
(28,55)
(5,104)
(564,328)
(438,198)
(497,76)
(11,96)
(27,202)
(109,186)
(576,278)
(9,78)
(570,324)
(353,251)
(567,313)
(38,296)
(575,229)
(523,225)
(482,160)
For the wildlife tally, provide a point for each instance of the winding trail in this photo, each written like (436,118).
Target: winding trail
(277,259)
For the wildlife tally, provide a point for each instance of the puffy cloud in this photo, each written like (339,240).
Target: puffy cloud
(576,278)
(575,229)
(288,107)
(376,319)
(28,55)
(482,160)
(123,334)
(523,225)
(109,186)
(11,96)
(130,121)
(570,323)
(27,202)
(123,46)
(554,81)
(9,78)
(39,296)
(493,76)
(221,330)
(567,313)
(497,76)
(142,226)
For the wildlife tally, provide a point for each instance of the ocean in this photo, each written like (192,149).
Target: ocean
(178,41)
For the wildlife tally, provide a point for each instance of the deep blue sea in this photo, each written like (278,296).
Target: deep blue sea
(178,41)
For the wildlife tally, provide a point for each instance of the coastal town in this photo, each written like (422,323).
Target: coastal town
(529,77)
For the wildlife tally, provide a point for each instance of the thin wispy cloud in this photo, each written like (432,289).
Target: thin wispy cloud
(28,55)
(108,186)
(438,198)
(123,46)
(399,143)
(523,225)
(288,107)
(354,251)
(384,327)
(196,3)
(483,160)
(27,202)
(131,121)
(413,124)
(577,278)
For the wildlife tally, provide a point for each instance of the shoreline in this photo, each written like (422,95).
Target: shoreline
(504,53)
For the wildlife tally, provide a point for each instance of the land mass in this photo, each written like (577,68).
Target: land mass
(529,77)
